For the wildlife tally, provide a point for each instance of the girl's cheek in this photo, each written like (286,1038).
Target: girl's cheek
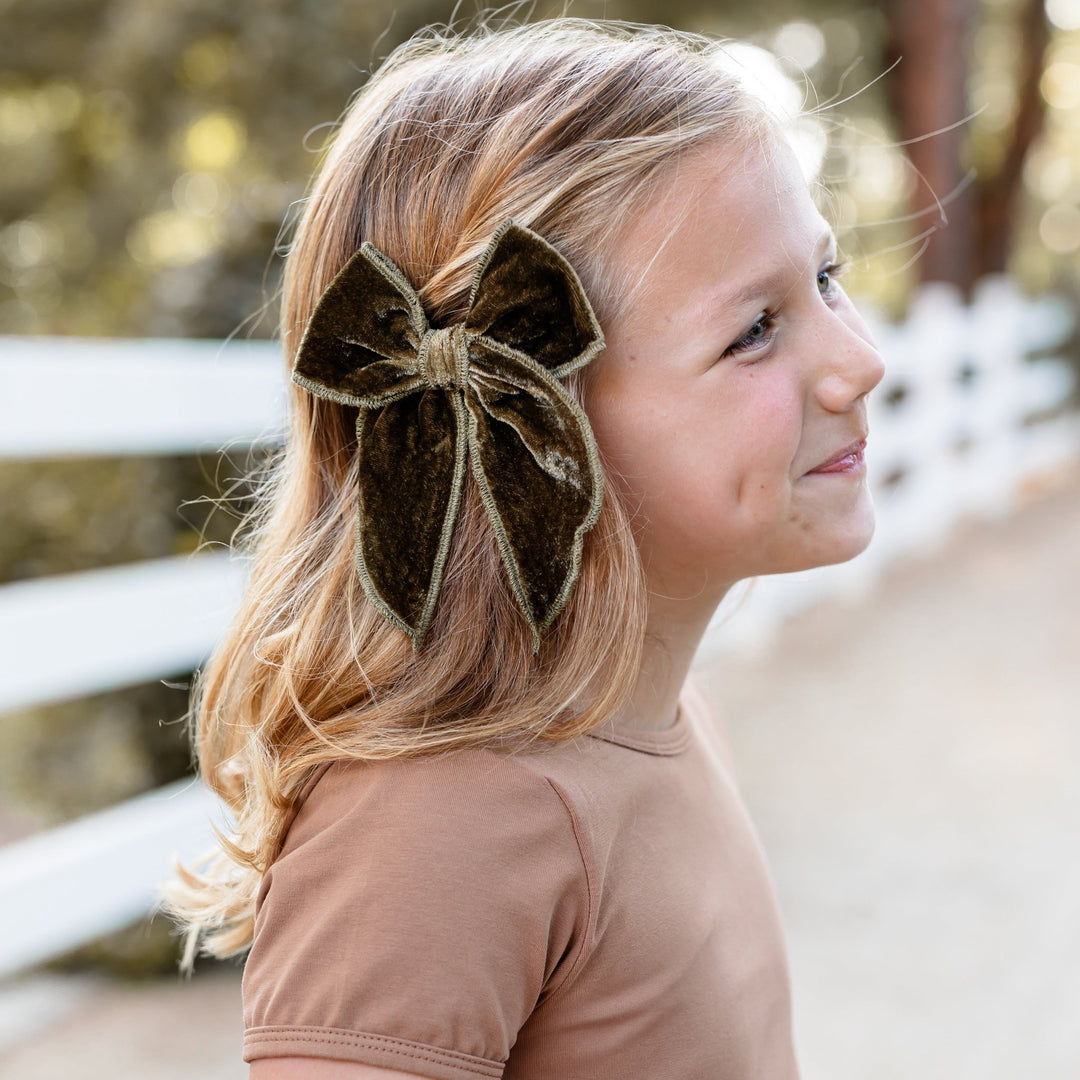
(630,427)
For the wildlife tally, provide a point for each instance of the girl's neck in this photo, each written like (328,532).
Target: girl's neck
(671,640)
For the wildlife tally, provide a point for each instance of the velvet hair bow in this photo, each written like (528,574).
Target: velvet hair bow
(483,393)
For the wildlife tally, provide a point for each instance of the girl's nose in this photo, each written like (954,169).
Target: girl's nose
(851,365)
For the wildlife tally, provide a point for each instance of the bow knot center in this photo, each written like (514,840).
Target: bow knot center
(444,357)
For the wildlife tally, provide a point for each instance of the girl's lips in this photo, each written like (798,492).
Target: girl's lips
(850,459)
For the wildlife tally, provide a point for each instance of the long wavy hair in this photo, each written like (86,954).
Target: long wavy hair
(567,126)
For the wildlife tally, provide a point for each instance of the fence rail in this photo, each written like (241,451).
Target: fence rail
(100,397)
(108,626)
(965,415)
(69,885)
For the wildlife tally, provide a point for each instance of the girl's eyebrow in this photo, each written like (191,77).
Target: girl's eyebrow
(718,305)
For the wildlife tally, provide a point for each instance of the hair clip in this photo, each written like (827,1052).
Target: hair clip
(483,393)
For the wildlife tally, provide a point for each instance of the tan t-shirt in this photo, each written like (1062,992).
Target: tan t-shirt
(599,910)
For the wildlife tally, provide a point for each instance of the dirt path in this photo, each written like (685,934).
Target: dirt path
(912,764)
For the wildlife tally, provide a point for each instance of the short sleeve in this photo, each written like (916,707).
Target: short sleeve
(419,911)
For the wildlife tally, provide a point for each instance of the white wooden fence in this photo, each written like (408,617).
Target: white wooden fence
(963,417)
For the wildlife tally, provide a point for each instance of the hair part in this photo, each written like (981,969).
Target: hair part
(567,126)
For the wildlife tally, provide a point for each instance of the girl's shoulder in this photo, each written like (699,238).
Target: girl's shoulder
(469,811)
(552,796)
(472,786)
(468,787)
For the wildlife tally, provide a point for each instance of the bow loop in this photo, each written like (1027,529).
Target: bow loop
(484,391)
(527,297)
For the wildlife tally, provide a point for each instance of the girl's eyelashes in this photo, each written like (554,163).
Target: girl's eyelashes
(829,276)
(758,335)
(762,329)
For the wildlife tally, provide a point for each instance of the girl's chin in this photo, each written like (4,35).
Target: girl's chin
(847,542)
(685,568)
(856,545)
(827,546)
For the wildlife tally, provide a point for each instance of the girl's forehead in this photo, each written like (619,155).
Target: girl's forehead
(721,216)
(739,179)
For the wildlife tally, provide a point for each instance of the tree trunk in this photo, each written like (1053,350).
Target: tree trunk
(932,39)
(999,194)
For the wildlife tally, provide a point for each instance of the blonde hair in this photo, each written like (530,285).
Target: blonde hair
(564,125)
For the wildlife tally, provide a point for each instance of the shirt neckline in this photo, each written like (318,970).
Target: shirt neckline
(665,743)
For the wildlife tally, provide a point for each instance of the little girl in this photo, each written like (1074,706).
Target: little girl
(569,359)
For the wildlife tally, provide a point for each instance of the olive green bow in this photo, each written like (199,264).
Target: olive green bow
(483,391)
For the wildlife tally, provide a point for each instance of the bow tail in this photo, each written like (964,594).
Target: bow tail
(411,468)
(535,461)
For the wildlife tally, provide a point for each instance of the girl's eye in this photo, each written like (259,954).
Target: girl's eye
(827,277)
(759,334)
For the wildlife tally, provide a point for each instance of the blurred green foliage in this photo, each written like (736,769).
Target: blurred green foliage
(71,758)
(152,150)
(80,514)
